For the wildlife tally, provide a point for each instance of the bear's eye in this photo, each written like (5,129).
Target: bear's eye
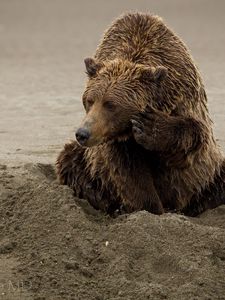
(109,105)
(88,104)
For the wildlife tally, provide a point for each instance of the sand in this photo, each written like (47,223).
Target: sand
(53,246)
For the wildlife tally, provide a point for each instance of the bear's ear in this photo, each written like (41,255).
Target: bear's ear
(160,73)
(147,74)
(92,67)
(154,74)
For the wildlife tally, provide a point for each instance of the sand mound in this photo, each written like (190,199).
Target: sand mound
(54,246)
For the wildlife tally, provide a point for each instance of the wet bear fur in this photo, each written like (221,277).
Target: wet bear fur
(146,141)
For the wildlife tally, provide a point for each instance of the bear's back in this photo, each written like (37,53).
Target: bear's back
(141,38)
(145,39)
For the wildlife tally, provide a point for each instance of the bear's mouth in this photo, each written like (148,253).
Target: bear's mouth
(87,137)
(121,136)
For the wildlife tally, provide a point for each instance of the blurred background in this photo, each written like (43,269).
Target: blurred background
(42,47)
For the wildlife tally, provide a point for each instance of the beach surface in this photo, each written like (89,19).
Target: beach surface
(53,246)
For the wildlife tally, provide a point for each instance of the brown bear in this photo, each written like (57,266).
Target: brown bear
(146,141)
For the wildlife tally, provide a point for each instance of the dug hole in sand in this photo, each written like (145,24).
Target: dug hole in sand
(56,247)
(53,246)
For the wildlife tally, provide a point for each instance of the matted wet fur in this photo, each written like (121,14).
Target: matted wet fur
(146,141)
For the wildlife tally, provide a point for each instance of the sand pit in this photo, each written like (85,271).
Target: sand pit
(57,247)
(53,246)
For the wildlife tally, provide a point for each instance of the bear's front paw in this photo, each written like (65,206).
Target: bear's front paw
(139,133)
(152,130)
(144,133)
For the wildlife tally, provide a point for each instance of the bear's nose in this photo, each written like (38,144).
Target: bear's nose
(82,135)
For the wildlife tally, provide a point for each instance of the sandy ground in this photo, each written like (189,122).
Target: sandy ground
(53,246)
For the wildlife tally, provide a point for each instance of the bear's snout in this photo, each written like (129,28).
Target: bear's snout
(82,135)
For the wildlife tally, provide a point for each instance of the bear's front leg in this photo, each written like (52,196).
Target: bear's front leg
(132,174)
(174,136)
(72,170)
(70,164)
(137,197)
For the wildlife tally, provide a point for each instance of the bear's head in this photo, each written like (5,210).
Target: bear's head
(116,91)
